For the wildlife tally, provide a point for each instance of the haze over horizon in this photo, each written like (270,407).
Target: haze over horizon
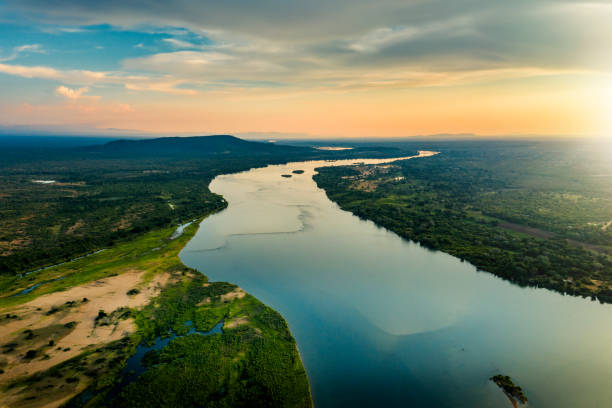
(342,69)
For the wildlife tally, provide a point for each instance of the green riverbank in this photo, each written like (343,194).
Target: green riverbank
(253,361)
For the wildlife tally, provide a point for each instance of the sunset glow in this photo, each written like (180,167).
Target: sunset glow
(387,69)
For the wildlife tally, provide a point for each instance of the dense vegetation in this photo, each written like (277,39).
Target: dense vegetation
(533,213)
(93,204)
(252,362)
(108,193)
(513,391)
(255,363)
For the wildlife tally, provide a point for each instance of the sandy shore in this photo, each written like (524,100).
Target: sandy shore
(68,318)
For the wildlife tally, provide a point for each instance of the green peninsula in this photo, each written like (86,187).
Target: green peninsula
(90,277)
(136,293)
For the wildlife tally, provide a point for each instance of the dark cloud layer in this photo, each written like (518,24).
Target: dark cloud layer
(266,39)
(494,29)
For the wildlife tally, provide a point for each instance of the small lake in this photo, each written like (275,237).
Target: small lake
(382,322)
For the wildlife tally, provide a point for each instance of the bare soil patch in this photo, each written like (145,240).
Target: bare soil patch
(235,294)
(68,318)
(232,324)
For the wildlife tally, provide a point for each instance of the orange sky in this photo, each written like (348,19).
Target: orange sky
(540,108)
(416,69)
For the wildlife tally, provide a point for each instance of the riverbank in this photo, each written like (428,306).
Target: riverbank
(381,321)
(465,207)
(68,339)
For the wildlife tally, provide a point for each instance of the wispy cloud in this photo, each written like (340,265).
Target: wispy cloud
(55,29)
(71,93)
(168,86)
(163,84)
(72,30)
(30,72)
(381,38)
(179,43)
(29,48)
(22,49)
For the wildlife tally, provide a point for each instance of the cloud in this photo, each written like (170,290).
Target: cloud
(294,20)
(302,50)
(63,30)
(183,60)
(71,93)
(68,76)
(179,43)
(124,107)
(385,37)
(27,48)
(72,30)
(322,40)
(163,84)
(484,33)
(169,87)
(30,72)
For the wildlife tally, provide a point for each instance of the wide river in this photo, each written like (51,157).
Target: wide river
(382,322)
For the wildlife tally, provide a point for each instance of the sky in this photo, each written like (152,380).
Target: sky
(320,68)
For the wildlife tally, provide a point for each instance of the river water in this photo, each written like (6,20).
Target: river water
(382,322)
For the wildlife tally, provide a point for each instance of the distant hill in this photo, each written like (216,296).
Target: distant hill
(188,147)
(197,146)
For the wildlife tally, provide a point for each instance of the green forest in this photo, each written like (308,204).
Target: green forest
(525,212)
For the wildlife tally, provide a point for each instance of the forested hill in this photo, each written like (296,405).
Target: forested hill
(34,150)
(197,146)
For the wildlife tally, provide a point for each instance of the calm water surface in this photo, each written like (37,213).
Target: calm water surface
(380,321)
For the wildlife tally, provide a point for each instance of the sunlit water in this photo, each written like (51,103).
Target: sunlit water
(382,322)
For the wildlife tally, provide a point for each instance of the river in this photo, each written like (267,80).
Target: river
(380,321)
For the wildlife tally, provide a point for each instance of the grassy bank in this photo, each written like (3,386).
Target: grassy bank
(254,361)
